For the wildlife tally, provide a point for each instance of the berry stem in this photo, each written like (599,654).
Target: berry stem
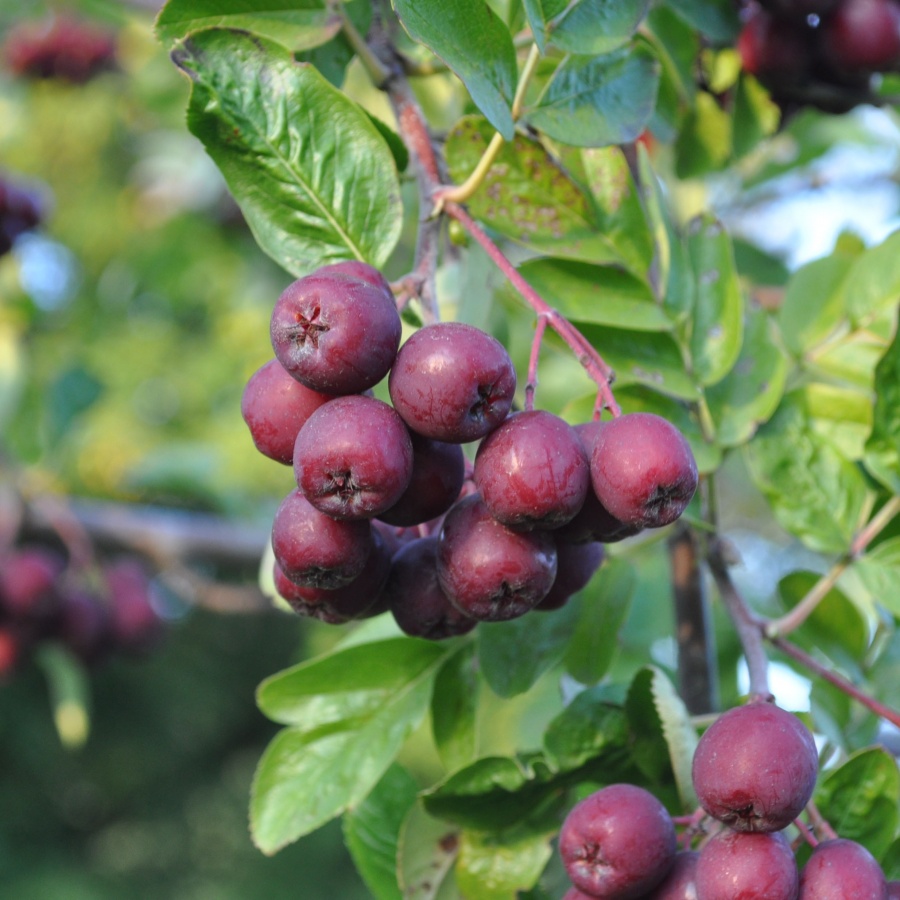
(531,384)
(590,360)
(805,832)
(801,612)
(838,681)
(820,824)
(462,192)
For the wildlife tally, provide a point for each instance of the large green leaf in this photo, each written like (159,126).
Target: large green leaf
(717,324)
(313,176)
(882,450)
(527,195)
(454,705)
(604,605)
(749,394)
(298,24)
(815,492)
(860,799)
(716,19)
(475,44)
(880,572)
(372,831)
(874,283)
(426,856)
(513,655)
(618,205)
(350,713)
(584,26)
(594,101)
(813,304)
(601,295)
(648,358)
(704,140)
(497,867)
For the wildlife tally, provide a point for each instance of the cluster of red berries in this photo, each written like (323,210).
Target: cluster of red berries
(61,46)
(21,210)
(93,612)
(754,771)
(388,514)
(820,52)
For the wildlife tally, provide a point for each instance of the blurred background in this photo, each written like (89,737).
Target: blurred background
(134,305)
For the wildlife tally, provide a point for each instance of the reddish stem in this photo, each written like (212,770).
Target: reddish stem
(838,681)
(590,360)
(807,835)
(531,384)
(819,823)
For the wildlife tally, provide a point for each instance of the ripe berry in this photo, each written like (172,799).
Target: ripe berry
(489,572)
(736,865)
(681,882)
(275,407)
(438,471)
(353,458)
(415,597)
(643,470)
(315,550)
(337,332)
(593,522)
(452,382)
(755,767)
(532,471)
(893,890)
(83,624)
(617,843)
(774,49)
(575,565)
(134,625)
(358,599)
(862,35)
(27,579)
(840,869)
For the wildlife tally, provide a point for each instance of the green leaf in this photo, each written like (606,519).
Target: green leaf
(813,304)
(601,295)
(815,493)
(716,19)
(841,415)
(587,27)
(860,799)
(604,605)
(656,716)
(597,101)
(427,852)
(372,831)
(750,393)
(475,44)
(513,655)
(618,206)
(874,283)
(311,173)
(717,325)
(755,116)
(704,141)
(879,569)
(453,709)
(835,627)
(351,712)
(680,735)
(297,24)
(527,195)
(643,357)
(496,867)
(592,724)
(495,792)
(882,450)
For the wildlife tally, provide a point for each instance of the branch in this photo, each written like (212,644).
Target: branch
(749,628)
(838,681)
(590,360)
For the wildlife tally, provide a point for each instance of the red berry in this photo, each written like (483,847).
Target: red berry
(736,865)
(841,869)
